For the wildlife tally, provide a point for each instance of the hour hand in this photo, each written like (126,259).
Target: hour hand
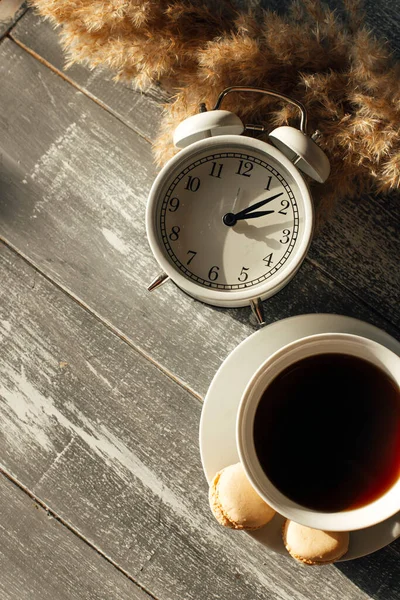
(230,219)
(254,215)
(249,209)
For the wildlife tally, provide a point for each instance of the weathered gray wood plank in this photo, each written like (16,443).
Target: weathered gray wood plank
(140,111)
(360,247)
(110,444)
(382,17)
(10,12)
(361,241)
(74,183)
(42,559)
(377,574)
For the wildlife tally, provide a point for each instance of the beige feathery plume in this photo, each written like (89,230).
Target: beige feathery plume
(329,60)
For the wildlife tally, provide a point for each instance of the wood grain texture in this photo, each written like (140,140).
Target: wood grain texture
(359,244)
(40,559)
(382,18)
(91,426)
(110,444)
(74,183)
(377,574)
(140,111)
(10,12)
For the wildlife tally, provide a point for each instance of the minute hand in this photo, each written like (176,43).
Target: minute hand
(249,209)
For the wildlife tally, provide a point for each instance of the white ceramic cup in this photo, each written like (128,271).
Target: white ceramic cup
(375,512)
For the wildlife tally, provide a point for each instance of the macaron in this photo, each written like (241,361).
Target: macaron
(235,503)
(313,546)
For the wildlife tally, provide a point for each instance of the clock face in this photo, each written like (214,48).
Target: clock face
(231,218)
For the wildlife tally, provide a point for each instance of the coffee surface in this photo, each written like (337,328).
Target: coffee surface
(327,432)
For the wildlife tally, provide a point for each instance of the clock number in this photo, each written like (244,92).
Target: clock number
(193,253)
(173,204)
(192,184)
(285,204)
(216,169)
(268,259)
(174,235)
(245,168)
(243,275)
(286,236)
(267,187)
(213,273)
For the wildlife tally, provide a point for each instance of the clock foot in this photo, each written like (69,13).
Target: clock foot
(159,280)
(257,310)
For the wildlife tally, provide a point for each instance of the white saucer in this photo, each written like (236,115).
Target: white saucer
(218,418)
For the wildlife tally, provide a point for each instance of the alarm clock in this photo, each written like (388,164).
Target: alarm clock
(230,217)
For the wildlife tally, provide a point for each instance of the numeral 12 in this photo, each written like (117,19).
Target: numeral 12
(245,168)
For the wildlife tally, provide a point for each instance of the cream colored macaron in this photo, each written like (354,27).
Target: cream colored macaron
(313,546)
(235,503)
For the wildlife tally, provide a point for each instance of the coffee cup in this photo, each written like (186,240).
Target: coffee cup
(278,390)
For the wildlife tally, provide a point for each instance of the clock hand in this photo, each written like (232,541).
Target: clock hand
(257,205)
(254,215)
(230,219)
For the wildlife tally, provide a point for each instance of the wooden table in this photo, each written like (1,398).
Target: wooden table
(102,494)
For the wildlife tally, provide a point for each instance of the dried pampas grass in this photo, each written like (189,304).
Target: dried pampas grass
(328,60)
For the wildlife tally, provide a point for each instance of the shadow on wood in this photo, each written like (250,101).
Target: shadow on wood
(10,12)
(378,574)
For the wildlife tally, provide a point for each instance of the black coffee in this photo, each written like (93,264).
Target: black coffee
(327,432)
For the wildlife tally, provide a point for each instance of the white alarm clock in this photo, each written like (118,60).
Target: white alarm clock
(230,217)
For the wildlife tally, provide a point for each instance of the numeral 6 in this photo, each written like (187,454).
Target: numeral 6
(213,273)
